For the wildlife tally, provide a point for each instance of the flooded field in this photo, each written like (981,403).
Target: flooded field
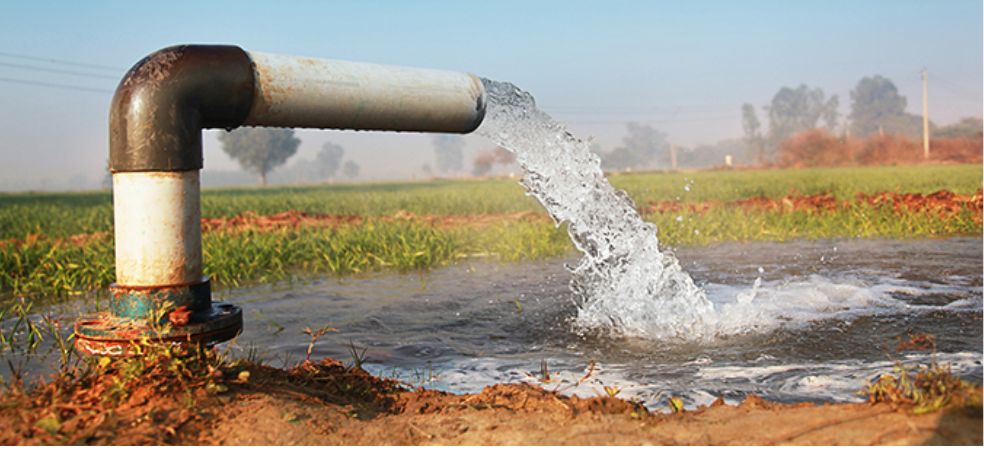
(823,319)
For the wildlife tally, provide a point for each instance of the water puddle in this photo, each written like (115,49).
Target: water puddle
(827,317)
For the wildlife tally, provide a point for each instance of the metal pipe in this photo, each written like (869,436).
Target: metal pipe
(321,93)
(156,119)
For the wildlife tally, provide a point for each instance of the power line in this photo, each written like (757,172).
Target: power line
(67,72)
(61,61)
(55,85)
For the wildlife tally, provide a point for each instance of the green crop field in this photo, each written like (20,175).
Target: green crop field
(38,261)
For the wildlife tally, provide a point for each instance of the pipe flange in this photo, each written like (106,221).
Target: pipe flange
(104,334)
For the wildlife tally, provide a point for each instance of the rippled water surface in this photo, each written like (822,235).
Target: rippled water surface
(805,321)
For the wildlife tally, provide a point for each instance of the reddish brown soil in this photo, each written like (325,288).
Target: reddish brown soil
(328,403)
(249,220)
(940,201)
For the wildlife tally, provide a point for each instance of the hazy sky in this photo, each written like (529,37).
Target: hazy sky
(683,67)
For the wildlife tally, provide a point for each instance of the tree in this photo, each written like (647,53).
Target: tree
(712,155)
(830,114)
(968,127)
(753,133)
(329,159)
(485,161)
(795,110)
(449,153)
(260,150)
(877,107)
(107,181)
(642,146)
(350,169)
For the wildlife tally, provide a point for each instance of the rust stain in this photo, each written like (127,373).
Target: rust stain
(155,68)
(179,316)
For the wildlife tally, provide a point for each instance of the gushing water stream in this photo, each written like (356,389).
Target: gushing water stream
(623,283)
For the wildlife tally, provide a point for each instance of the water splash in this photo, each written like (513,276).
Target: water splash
(623,283)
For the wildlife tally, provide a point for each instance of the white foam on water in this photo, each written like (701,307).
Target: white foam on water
(797,302)
(837,381)
(698,383)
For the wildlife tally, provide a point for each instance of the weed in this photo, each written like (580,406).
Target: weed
(544,374)
(358,355)
(315,335)
(423,376)
(612,391)
(924,388)
(676,404)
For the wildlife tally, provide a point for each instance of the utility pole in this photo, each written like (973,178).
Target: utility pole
(925,86)
(673,156)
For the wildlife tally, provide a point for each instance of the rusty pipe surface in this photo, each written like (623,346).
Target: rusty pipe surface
(163,103)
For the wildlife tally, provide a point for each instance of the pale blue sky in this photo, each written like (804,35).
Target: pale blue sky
(684,67)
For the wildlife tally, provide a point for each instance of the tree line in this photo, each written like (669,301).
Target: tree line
(803,122)
(261,150)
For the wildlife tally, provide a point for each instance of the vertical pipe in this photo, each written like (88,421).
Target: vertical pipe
(158,228)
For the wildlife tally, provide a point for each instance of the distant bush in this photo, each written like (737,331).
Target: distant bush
(968,150)
(812,148)
(888,149)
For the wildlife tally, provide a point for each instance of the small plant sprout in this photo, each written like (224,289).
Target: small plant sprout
(358,355)
(588,373)
(926,388)
(676,404)
(612,391)
(544,373)
(315,335)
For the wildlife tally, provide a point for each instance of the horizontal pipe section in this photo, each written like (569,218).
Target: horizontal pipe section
(158,228)
(320,93)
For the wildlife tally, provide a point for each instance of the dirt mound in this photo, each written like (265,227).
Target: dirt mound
(329,403)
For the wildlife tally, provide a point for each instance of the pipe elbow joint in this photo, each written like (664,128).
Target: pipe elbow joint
(162,104)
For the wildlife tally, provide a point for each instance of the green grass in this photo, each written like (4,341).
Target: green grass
(859,221)
(48,269)
(59,215)
(843,183)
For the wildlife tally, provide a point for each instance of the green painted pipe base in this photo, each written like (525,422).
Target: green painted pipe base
(180,315)
(146,302)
